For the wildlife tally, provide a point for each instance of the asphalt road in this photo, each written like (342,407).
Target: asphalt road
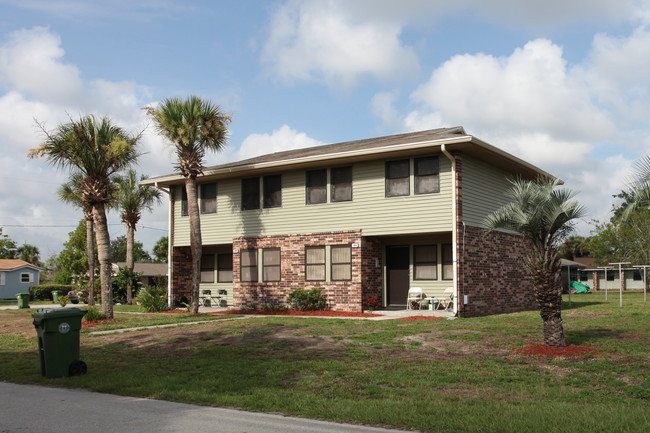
(31,408)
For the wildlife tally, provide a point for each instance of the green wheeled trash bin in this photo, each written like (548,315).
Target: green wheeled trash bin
(55,296)
(23,300)
(58,341)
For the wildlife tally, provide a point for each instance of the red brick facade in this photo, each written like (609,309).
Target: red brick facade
(340,295)
(491,272)
(181,277)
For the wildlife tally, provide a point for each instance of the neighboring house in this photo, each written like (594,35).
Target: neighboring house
(150,271)
(358,219)
(608,278)
(16,276)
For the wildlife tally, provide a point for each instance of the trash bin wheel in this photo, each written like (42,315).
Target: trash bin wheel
(78,368)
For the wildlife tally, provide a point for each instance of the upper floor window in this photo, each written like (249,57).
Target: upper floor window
(273,191)
(184,201)
(248,266)
(398,178)
(341,184)
(224,268)
(207,268)
(209,198)
(271,264)
(250,193)
(315,263)
(341,263)
(317,186)
(427,175)
(425,262)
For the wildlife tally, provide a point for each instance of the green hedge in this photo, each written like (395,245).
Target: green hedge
(44,291)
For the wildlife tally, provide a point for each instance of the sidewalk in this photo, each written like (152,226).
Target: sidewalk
(388,314)
(32,408)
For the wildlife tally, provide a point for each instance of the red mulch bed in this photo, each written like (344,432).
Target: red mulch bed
(414,318)
(542,350)
(85,324)
(319,313)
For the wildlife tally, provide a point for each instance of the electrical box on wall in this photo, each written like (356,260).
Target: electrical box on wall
(465,299)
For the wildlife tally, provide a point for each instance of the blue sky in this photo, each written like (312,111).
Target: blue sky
(561,84)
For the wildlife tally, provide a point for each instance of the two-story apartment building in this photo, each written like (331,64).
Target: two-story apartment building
(358,219)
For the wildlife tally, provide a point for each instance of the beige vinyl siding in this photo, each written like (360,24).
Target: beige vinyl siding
(484,190)
(369,209)
(216,286)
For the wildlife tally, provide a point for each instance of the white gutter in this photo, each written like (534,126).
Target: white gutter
(454,225)
(170,216)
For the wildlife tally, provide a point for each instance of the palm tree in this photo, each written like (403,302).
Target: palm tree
(132,198)
(640,193)
(544,215)
(193,126)
(29,253)
(96,149)
(69,192)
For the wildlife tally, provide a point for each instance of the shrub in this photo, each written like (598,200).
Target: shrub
(44,291)
(94,314)
(274,308)
(63,300)
(152,299)
(303,300)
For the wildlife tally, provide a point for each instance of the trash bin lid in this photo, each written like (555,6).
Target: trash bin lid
(58,313)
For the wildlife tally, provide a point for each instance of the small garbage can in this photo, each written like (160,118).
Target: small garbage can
(58,341)
(23,300)
(55,296)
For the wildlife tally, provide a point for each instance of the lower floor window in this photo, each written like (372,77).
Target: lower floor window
(224,268)
(248,266)
(341,263)
(207,268)
(271,264)
(447,262)
(315,263)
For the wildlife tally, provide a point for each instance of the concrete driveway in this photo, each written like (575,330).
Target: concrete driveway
(31,408)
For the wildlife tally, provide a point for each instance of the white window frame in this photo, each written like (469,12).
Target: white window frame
(2,278)
(30,277)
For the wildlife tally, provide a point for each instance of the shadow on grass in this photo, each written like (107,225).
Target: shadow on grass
(575,304)
(586,336)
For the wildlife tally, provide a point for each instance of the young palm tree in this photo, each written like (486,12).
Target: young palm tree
(132,198)
(96,149)
(544,215)
(193,126)
(70,193)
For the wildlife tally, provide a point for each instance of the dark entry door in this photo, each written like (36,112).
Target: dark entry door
(397,264)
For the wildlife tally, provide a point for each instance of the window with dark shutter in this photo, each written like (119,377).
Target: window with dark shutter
(208,198)
(272,191)
(427,175)
(397,178)
(316,186)
(341,184)
(250,193)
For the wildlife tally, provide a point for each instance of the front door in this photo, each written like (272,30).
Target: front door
(397,267)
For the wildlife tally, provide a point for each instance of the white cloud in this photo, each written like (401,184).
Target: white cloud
(321,41)
(284,138)
(37,84)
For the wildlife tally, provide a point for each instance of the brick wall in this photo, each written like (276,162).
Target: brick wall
(372,276)
(340,295)
(181,273)
(491,271)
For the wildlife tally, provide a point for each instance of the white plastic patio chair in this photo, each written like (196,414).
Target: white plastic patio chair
(415,294)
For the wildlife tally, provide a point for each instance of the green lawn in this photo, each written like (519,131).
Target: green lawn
(461,375)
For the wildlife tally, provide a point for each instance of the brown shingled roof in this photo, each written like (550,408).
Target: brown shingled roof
(10,264)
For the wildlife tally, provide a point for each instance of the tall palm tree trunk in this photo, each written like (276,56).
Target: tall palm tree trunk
(90,252)
(195,238)
(130,262)
(104,255)
(545,267)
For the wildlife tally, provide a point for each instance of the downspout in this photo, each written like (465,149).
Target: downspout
(454,226)
(170,240)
